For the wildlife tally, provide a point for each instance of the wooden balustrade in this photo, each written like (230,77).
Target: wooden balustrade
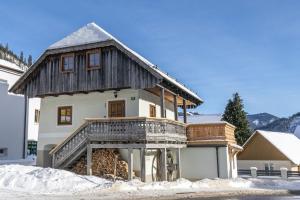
(210,133)
(127,130)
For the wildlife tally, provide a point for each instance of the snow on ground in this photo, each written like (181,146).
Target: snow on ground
(32,181)
(30,160)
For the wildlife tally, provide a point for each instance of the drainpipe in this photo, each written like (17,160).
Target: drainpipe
(217,157)
(25,126)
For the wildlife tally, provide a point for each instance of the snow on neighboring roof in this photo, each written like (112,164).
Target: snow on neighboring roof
(92,33)
(11,65)
(297,132)
(203,118)
(287,143)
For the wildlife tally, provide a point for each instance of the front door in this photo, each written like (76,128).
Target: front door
(116,108)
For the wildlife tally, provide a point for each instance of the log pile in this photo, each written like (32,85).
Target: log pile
(103,164)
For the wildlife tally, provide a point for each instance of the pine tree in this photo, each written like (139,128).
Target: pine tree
(234,113)
(29,60)
(21,56)
(6,48)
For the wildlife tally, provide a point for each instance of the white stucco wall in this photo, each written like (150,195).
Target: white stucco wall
(33,128)
(146,99)
(201,162)
(260,164)
(10,77)
(11,123)
(92,105)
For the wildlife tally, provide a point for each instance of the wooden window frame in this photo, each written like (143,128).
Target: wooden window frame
(59,123)
(113,101)
(87,60)
(150,109)
(62,64)
(37,115)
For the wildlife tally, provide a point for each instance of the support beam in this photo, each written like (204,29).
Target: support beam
(162,102)
(143,164)
(175,108)
(184,111)
(89,152)
(217,158)
(178,162)
(130,164)
(163,163)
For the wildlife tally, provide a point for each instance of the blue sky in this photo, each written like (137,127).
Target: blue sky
(214,47)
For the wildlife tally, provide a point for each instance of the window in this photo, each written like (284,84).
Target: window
(3,152)
(67,63)
(36,116)
(152,111)
(64,116)
(93,59)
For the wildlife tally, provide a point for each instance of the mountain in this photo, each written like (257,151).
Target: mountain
(284,124)
(260,120)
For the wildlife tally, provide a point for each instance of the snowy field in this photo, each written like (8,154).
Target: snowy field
(28,182)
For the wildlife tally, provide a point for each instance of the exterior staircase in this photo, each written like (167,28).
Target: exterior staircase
(110,131)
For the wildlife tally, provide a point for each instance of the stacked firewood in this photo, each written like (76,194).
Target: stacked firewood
(105,163)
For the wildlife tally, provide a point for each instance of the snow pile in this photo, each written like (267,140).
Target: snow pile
(46,180)
(30,160)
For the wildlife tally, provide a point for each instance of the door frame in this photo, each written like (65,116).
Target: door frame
(112,100)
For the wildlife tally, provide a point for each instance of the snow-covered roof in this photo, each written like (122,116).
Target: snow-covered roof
(287,143)
(203,118)
(297,131)
(10,65)
(92,33)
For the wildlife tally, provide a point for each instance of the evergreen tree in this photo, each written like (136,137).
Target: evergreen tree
(6,48)
(29,60)
(21,56)
(234,114)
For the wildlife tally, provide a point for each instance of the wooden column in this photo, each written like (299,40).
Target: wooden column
(130,164)
(89,152)
(143,164)
(163,163)
(162,102)
(175,107)
(184,111)
(178,162)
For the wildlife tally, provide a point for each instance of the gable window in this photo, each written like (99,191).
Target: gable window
(93,59)
(36,116)
(64,115)
(67,63)
(152,111)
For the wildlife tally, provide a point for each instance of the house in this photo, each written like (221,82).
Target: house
(268,150)
(14,130)
(97,93)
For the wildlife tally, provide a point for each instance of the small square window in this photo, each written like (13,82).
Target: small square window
(93,59)
(64,115)
(67,63)
(36,116)
(3,152)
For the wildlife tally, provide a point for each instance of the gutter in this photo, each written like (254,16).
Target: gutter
(25,136)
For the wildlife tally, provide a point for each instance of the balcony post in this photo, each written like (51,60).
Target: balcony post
(143,164)
(162,102)
(184,111)
(89,160)
(175,107)
(130,164)
(178,162)
(163,164)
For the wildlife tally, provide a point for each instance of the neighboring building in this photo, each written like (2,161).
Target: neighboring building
(13,138)
(97,93)
(270,151)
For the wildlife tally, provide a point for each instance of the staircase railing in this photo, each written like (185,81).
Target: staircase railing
(129,130)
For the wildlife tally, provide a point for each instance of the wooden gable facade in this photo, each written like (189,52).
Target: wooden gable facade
(116,71)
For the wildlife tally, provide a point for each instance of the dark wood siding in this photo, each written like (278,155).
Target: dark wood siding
(117,71)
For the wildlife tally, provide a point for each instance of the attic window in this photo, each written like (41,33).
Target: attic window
(93,59)
(67,63)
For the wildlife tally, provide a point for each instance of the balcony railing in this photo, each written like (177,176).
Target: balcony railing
(127,130)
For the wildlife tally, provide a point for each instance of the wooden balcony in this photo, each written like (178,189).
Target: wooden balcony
(210,134)
(135,132)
